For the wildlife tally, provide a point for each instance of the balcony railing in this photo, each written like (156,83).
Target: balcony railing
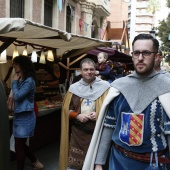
(102,7)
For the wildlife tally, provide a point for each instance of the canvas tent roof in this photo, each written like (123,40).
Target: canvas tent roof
(113,54)
(75,56)
(19,32)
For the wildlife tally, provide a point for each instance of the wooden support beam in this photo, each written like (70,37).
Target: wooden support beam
(68,71)
(79,58)
(61,64)
(106,29)
(69,64)
(6,44)
(74,69)
(123,34)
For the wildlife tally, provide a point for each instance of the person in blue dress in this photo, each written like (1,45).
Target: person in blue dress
(23,90)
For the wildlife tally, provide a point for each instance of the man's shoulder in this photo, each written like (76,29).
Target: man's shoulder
(164,72)
(104,82)
(167,74)
(74,84)
(164,77)
(122,80)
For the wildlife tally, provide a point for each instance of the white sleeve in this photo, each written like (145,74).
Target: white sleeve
(104,146)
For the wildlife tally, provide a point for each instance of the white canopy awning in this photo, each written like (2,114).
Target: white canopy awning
(20,32)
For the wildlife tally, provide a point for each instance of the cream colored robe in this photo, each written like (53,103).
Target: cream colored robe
(64,142)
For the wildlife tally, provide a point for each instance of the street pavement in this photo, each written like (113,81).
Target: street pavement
(48,155)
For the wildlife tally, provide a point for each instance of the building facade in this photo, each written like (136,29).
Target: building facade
(139,19)
(117,24)
(82,17)
(143,20)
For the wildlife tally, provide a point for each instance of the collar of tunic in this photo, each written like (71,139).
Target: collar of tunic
(89,91)
(140,91)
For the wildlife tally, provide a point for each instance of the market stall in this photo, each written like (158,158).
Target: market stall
(45,46)
(73,58)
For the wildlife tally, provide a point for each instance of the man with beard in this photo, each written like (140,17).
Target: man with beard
(81,106)
(136,114)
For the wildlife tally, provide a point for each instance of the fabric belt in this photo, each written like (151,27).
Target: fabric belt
(83,128)
(144,157)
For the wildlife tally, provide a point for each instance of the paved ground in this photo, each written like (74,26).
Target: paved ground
(48,155)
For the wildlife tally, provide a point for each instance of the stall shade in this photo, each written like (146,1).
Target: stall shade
(113,54)
(71,60)
(21,32)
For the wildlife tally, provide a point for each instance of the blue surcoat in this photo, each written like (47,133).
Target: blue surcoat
(137,132)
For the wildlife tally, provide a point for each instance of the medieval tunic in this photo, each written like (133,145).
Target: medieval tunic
(134,97)
(165,73)
(81,133)
(145,130)
(94,94)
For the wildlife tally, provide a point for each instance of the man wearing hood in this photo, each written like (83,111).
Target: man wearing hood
(81,107)
(135,116)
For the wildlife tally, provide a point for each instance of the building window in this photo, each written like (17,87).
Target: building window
(17,8)
(48,12)
(68,19)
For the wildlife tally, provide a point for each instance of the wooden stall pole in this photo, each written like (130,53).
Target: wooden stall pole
(68,70)
(71,63)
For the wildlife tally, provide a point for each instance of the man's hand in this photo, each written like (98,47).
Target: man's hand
(98,167)
(83,118)
(93,116)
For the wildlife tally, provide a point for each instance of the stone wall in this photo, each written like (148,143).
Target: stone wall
(2,8)
(37,10)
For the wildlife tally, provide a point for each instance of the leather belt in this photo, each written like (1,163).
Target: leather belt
(144,157)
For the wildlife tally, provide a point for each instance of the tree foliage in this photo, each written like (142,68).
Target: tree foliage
(168,3)
(163,33)
(153,6)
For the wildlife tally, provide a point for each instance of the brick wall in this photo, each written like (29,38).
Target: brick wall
(118,13)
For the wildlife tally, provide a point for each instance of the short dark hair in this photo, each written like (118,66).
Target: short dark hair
(26,65)
(147,37)
(87,60)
